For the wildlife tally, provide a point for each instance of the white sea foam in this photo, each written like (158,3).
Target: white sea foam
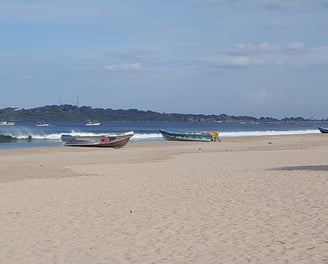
(144,136)
(158,136)
(267,133)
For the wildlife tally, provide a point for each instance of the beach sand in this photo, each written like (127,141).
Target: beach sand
(242,200)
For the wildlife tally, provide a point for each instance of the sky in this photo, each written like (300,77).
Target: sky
(261,58)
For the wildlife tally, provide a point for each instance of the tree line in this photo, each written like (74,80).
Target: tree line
(62,113)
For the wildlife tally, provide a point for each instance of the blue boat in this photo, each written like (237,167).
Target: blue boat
(211,136)
(323,130)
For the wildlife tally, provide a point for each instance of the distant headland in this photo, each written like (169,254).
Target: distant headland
(71,113)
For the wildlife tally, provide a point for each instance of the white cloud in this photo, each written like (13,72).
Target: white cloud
(238,61)
(267,48)
(265,54)
(132,67)
(294,47)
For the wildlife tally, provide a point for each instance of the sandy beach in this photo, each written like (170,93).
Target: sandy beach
(242,200)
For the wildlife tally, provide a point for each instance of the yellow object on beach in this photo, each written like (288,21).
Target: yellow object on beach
(214,135)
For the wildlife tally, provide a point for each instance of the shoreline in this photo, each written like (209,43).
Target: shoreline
(39,161)
(242,200)
(52,136)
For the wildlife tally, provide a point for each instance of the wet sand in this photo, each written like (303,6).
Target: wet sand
(242,200)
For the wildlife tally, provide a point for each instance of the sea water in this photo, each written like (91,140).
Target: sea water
(145,131)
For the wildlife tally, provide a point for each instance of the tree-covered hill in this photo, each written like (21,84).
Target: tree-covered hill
(52,113)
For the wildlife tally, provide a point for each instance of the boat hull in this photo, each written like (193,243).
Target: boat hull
(92,123)
(189,136)
(42,124)
(323,130)
(111,141)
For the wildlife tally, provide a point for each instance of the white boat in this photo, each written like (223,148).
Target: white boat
(110,140)
(42,124)
(92,123)
(7,123)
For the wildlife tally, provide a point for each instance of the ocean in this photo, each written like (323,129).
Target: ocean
(144,131)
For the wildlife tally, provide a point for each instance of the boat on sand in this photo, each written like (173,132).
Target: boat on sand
(323,130)
(190,136)
(111,140)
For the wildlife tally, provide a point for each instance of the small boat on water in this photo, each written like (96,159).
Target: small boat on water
(323,130)
(7,123)
(92,123)
(110,140)
(190,136)
(42,124)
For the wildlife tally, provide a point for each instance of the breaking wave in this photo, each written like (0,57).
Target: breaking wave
(158,136)
(267,133)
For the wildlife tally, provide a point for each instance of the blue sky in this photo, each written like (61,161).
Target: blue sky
(238,57)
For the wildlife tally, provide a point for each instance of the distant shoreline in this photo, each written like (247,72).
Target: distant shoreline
(72,113)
